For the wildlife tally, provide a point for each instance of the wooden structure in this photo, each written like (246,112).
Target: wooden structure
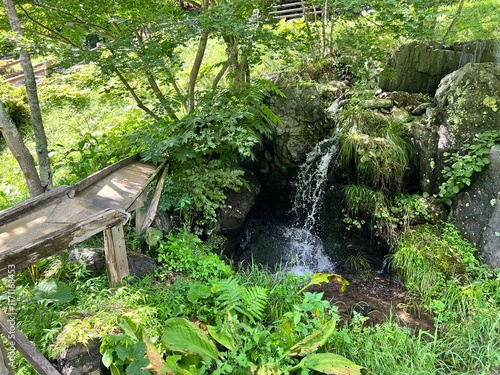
(294,9)
(44,225)
(17,77)
(51,222)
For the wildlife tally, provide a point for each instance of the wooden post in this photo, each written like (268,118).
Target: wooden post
(5,368)
(140,210)
(116,255)
(26,347)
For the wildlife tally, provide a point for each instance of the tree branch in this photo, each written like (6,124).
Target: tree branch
(455,20)
(132,92)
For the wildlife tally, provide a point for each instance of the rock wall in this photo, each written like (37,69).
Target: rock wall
(420,66)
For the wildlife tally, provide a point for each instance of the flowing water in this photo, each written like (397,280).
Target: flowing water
(297,246)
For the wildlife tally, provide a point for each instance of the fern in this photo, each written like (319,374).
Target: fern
(247,302)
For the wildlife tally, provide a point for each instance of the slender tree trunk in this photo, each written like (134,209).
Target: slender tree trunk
(193,76)
(21,153)
(31,91)
(455,20)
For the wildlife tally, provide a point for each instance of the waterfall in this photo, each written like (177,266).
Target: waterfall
(311,183)
(296,245)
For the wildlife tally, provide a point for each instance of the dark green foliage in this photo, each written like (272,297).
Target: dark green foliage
(461,166)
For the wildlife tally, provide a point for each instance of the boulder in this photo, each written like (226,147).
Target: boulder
(81,360)
(95,261)
(420,66)
(476,211)
(467,102)
(303,113)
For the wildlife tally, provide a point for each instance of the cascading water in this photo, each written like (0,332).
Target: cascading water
(297,246)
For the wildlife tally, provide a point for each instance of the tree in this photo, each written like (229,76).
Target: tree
(23,156)
(139,40)
(31,91)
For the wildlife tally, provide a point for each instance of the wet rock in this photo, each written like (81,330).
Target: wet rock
(420,66)
(476,211)
(95,261)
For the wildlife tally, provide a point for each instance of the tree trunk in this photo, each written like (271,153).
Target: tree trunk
(193,76)
(21,153)
(31,91)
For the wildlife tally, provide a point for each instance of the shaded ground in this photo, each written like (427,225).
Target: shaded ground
(379,298)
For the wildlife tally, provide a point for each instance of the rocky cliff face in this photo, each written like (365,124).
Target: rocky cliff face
(420,66)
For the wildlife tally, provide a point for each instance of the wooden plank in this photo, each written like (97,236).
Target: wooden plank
(158,170)
(97,176)
(140,211)
(26,347)
(32,204)
(116,255)
(153,206)
(9,64)
(28,254)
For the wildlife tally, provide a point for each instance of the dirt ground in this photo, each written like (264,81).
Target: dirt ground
(378,297)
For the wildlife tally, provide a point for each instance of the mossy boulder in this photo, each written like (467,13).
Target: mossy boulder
(467,103)
(304,120)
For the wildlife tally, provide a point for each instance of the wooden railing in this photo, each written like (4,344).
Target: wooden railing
(16,76)
(290,10)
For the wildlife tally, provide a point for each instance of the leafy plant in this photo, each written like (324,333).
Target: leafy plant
(461,166)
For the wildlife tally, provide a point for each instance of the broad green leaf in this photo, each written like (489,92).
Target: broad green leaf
(198,291)
(320,278)
(52,291)
(312,342)
(184,336)
(114,370)
(130,328)
(107,358)
(225,339)
(329,363)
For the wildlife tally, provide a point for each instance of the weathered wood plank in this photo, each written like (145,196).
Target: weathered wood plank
(132,206)
(97,176)
(153,205)
(26,347)
(28,254)
(32,204)
(116,255)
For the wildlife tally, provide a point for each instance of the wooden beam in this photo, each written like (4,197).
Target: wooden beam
(140,210)
(32,204)
(153,205)
(26,347)
(116,255)
(24,256)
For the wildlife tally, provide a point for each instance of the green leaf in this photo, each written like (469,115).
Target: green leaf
(225,339)
(329,363)
(183,336)
(198,291)
(52,291)
(486,161)
(320,278)
(312,342)
(107,358)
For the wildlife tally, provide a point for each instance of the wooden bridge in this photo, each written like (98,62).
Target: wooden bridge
(16,77)
(47,224)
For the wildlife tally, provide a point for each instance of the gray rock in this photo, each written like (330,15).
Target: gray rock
(467,102)
(422,108)
(81,360)
(476,211)
(377,103)
(94,259)
(420,66)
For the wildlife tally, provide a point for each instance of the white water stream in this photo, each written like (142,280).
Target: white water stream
(297,246)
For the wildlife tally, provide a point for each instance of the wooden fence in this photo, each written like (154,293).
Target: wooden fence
(17,75)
